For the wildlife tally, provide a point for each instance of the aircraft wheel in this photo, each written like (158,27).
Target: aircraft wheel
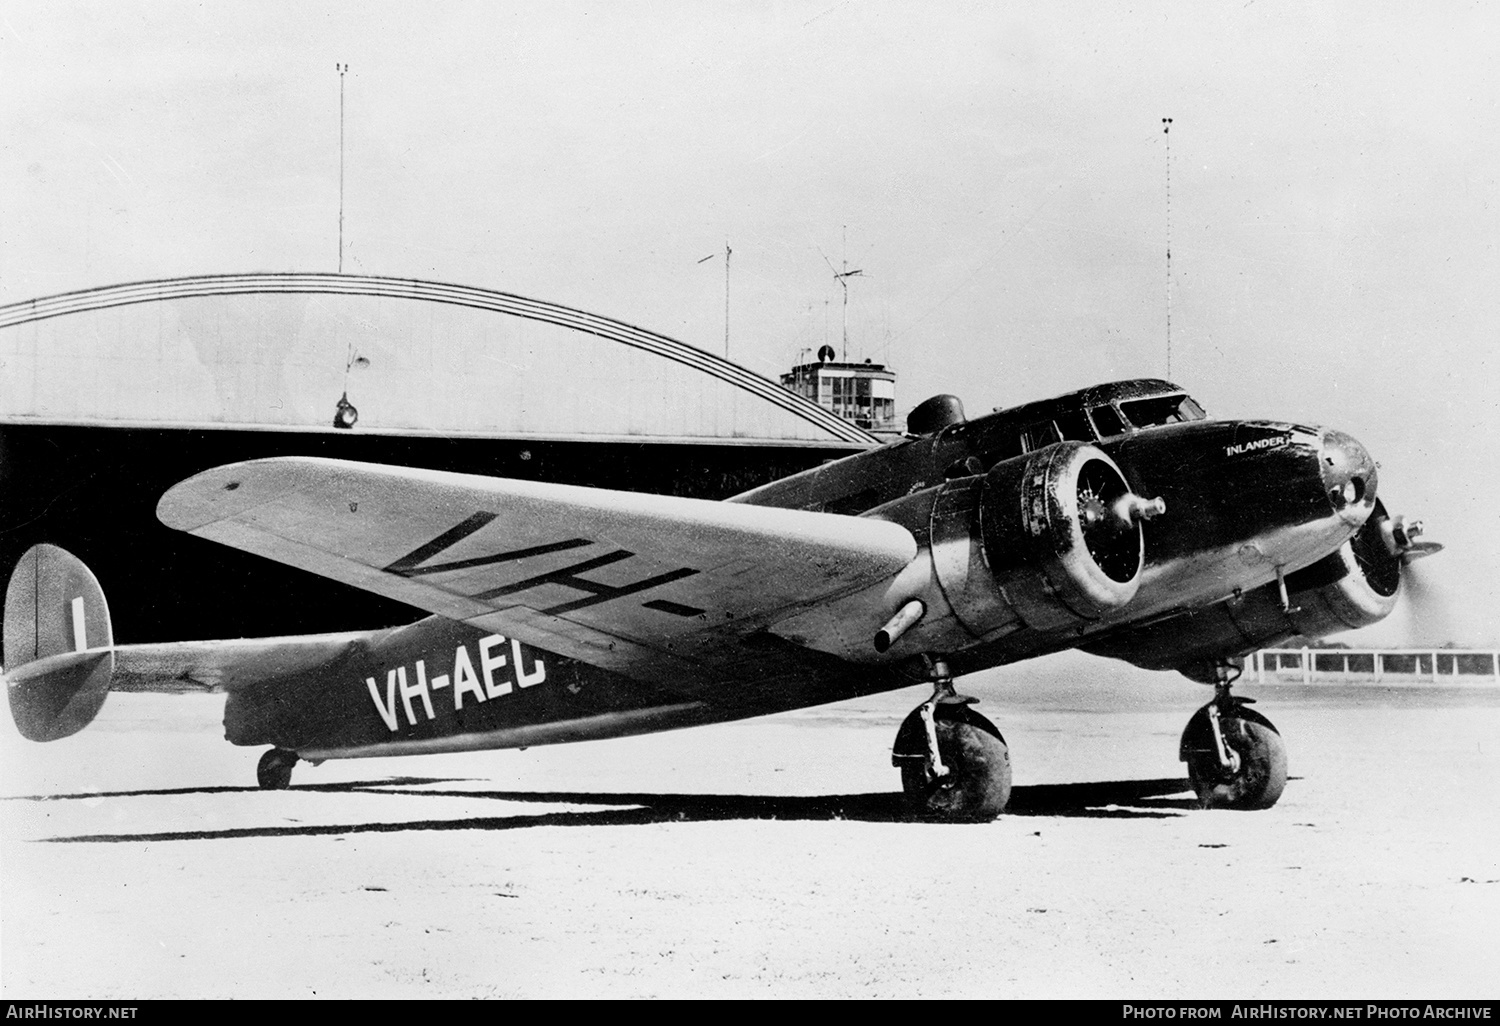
(275,770)
(1261,776)
(977,785)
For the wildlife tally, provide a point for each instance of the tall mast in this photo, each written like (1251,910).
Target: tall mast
(341,68)
(1167,131)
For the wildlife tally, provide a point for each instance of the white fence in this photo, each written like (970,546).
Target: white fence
(1460,666)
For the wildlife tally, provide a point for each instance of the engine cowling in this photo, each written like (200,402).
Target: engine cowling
(1356,585)
(1048,540)
(1361,582)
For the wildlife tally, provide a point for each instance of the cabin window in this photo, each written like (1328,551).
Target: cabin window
(1166,409)
(998,445)
(1039,436)
(1074,426)
(1107,421)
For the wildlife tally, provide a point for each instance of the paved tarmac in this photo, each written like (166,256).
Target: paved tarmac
(768,858)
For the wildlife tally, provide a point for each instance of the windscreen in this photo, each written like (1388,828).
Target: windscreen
(1165,409)
(1107,422)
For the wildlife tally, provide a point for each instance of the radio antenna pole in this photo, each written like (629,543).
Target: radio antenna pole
(842,277)
(341,69)
(1166,130)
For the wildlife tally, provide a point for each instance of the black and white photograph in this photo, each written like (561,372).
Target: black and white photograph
(785,499)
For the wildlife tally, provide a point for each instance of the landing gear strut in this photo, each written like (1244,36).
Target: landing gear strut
(1235,756)
(954,763)
(275,770)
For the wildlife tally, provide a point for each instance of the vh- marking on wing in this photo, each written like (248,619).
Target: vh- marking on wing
(648,585)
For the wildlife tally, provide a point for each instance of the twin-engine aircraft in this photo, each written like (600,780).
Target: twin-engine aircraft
(1118,519)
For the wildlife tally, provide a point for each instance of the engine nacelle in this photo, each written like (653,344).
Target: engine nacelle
(1354,586)
(1358,586)
(1047,540)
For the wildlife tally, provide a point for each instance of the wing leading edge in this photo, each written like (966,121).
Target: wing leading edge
(657,587)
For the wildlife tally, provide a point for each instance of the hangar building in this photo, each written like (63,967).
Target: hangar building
(109,396)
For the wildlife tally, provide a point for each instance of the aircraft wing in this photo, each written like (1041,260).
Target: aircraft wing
(656,587)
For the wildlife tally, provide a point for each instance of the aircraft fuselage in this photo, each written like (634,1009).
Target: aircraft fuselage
(442,685)
(1248,504)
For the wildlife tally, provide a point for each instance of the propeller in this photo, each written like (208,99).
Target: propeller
(1401,538)
(1426,607)
(1108,513)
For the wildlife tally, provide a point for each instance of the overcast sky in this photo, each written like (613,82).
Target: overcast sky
(997,171)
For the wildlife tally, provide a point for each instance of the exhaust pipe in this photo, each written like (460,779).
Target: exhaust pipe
(905,619)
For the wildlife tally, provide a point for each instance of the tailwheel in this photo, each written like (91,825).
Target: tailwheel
(954,764)
(1235,756)
(275,770)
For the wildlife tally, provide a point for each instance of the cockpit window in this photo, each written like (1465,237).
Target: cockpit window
(1166,409)
(1107,422)
(1039,436)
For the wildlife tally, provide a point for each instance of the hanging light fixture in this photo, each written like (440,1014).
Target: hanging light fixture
(345,415)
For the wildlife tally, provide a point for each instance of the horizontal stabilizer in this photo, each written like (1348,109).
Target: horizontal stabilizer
(58,696)
(187,667)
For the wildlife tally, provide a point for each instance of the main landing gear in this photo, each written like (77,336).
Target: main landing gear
(1235,756)
(275,770)
(954,763)
(955,766)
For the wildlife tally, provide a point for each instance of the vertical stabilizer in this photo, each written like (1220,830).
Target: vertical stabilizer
(58,644)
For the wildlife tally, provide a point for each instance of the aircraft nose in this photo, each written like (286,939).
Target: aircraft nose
(1349,475)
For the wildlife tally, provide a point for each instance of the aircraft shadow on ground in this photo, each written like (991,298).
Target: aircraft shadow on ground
(1120,799)
(353,785)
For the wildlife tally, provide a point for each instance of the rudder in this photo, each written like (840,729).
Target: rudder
(59,654)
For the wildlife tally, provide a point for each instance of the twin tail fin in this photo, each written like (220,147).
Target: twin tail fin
(59,650)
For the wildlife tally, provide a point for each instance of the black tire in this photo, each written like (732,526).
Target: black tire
(977,786)
(274,773)
(1262,773)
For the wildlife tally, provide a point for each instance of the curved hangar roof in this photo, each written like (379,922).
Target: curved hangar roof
(276,351)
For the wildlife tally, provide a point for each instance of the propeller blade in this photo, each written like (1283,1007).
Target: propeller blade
(1416,550)
(1429,616)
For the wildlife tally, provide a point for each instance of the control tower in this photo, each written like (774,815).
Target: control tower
(862,393)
